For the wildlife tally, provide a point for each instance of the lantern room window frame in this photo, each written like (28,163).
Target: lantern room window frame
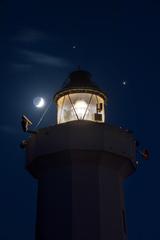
(99,106)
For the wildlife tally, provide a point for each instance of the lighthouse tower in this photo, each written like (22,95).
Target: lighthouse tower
(80,164)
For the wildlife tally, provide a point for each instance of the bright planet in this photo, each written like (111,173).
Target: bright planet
(38,102)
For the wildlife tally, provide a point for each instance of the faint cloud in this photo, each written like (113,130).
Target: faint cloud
(30,35)
(46,59)
(8,129)
(21,66)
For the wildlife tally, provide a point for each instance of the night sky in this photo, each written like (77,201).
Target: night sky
(40,44)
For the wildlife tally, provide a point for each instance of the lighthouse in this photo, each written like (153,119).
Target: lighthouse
(80,164)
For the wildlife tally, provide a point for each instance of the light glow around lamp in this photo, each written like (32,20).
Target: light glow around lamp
(80,107)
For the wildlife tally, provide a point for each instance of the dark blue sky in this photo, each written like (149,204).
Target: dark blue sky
(115,42)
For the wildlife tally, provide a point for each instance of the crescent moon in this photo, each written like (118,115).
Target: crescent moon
(38,102)
(41,103)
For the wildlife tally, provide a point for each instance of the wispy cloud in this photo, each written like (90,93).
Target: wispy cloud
(46,59)
(30,35)
(8,129)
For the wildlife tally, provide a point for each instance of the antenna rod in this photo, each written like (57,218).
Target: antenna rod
(43,115)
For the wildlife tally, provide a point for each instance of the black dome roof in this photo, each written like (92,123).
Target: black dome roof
(79,80)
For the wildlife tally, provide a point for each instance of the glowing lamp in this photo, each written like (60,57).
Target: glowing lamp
(80,108)
(80,99)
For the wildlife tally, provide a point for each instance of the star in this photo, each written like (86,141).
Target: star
(124,83)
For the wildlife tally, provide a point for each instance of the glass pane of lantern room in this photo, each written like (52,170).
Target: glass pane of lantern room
(80,103)
(65,111)
(100,108)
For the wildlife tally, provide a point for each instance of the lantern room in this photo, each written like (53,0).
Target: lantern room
(80,99)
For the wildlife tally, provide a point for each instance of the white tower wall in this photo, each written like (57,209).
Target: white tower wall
(80,167)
